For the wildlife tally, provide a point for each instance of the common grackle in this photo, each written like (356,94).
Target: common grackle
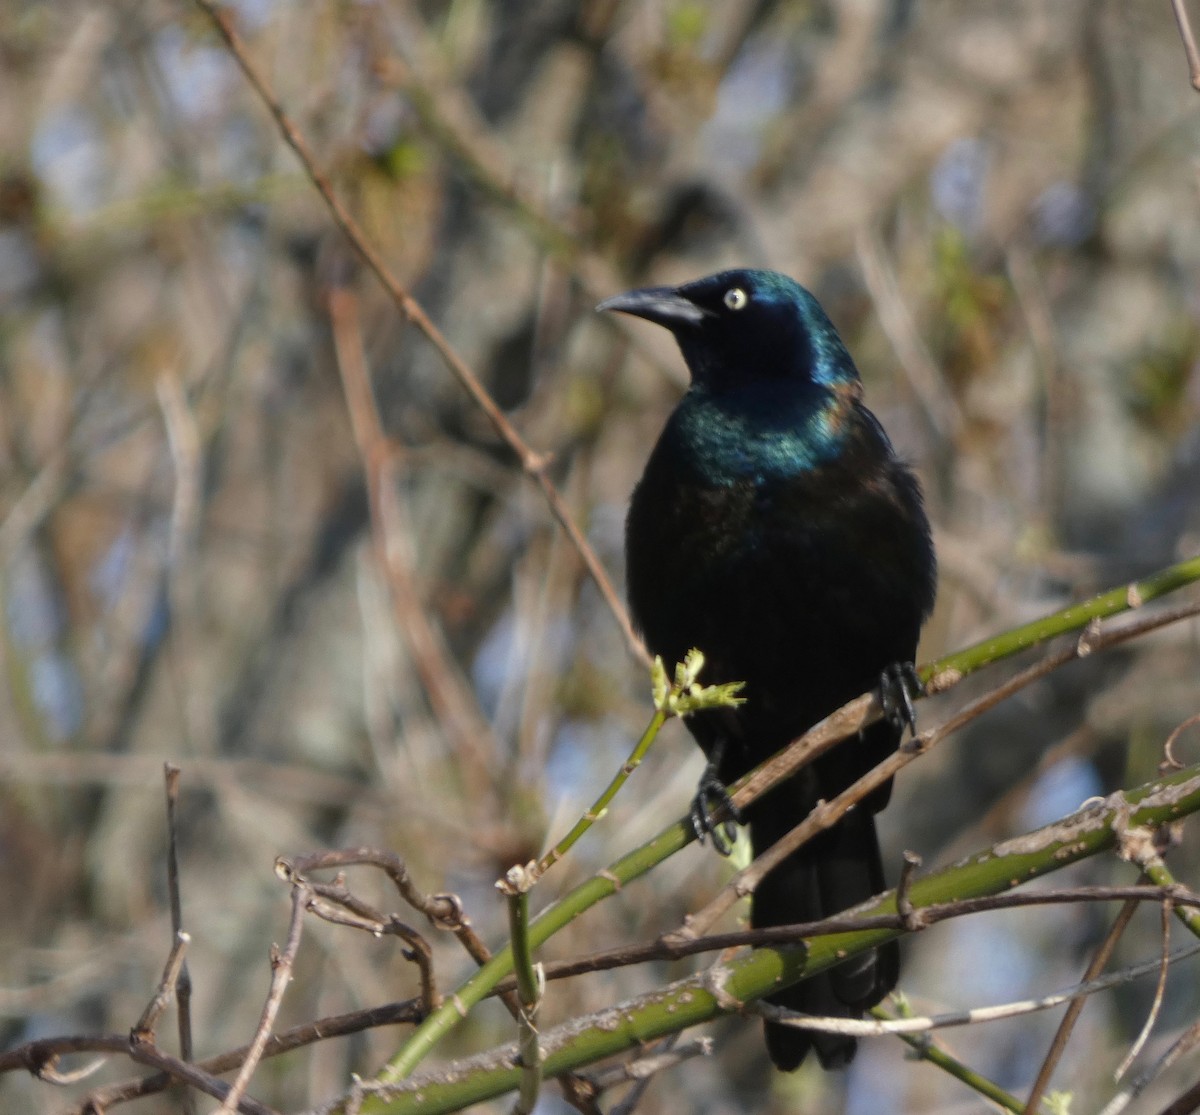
(775,529)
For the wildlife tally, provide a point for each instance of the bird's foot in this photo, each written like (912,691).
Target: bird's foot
(712,795)
(898,685)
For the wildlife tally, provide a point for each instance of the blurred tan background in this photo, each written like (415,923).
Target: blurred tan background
(997,203)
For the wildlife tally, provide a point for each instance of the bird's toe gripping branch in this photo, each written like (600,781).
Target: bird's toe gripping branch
(711,796)
(899,684)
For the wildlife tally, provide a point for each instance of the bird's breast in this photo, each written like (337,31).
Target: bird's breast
(756,437)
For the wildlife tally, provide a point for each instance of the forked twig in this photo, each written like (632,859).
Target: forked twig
(281,975)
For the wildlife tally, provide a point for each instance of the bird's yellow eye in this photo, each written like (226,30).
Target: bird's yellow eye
(735,298)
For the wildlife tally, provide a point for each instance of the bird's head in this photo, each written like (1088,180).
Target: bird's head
(743,326)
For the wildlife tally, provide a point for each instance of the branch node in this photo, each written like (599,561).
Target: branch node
(914,920)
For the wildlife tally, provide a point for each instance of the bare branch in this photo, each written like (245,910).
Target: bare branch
(355,1022)
(144,1029)
(183,980)
(281,975)
(871,1027)
(1066,1027)
(533,463)
(1184,23)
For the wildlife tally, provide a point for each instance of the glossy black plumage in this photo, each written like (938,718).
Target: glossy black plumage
(775,529)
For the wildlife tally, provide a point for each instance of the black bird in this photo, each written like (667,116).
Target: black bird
(776,530)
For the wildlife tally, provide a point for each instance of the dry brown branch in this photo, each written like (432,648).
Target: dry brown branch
(922,373)
(1156,1003)
(443,910)
(1062,1035)
(41,1057)
(1185,1043)
(1184,23)
(143,1029)
(281,975)
(533,463)
(677,947)
(334,903)
(453,701)
(871,1027)
(103,1099)
(1170,762)
(183,981)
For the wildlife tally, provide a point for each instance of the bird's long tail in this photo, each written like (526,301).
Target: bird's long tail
(841,868)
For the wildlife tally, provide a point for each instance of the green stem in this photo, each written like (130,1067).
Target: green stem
(928,1050)
(1159,874)
(939,675)
(527,988)
(541,929)
(605,799)
(725,987)
(946,671)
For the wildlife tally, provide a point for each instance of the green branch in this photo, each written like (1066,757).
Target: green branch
(515,887)
(926,1049)
(946,671)
(726,987)
(939,675)
(679,698)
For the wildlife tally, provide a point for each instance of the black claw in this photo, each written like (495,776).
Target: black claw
(898,685)
(711,796)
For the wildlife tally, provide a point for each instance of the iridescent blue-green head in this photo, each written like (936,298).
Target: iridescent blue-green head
(742,326)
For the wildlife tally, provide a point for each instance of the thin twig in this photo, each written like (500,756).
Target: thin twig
(600,806)
(927,1049)
(1156,1004)
(281,974)
(102,1099)
(1186,1042)
(1169,760)
(533,463)
(453,701)
(147,1053)
(680,695)
(444,910)
(1067,1026)
(643,1070)
(183,981)
(871,1027)
(1179,7)
(144,1028)
(678,948)
(334,903)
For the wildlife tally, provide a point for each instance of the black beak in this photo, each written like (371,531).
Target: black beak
(662,305)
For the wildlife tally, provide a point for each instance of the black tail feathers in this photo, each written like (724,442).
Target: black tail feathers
(840,869)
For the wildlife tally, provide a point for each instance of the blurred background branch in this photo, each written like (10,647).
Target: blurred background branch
(207,557)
